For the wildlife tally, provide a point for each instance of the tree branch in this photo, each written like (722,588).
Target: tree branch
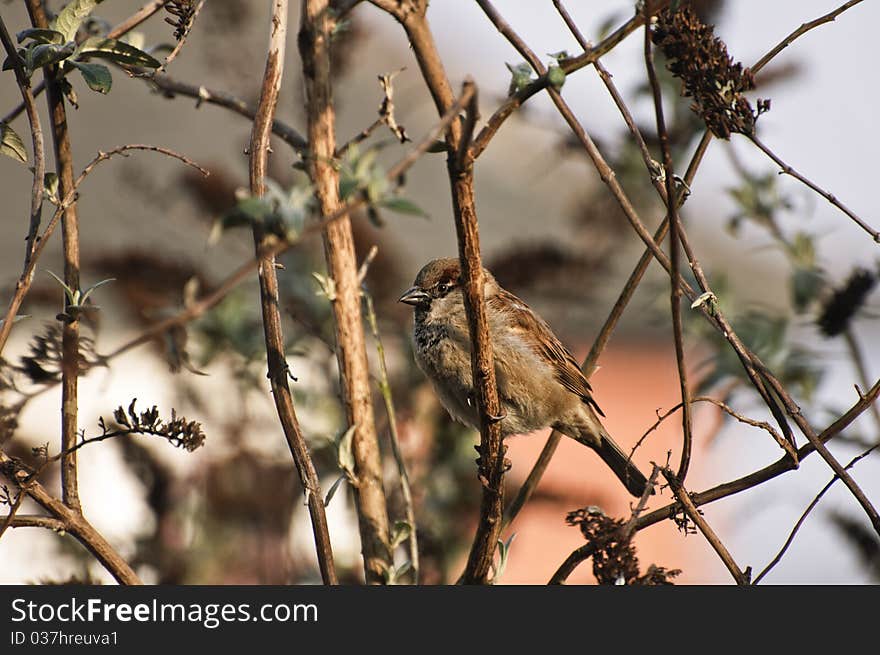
(70,246)
(39,168)
(674,246)
(314,45)
(694,514)
(269,303)
(72,521)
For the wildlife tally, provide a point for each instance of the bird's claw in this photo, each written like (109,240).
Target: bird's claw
(494,419)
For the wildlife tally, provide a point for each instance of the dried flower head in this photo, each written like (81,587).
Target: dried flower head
(178,431)
(184,12)
(839,309)
(708,73)
(614,560)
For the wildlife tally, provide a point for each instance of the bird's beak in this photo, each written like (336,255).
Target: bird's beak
(414,296)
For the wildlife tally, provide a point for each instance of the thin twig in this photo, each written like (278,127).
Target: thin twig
(722,406)
(771,471)
(26,278)
(696,516)
(568,66)
(861,366)
(788,170)
(360,137)
(800,521)
(394,438)
(32,521)
(800,31)
(39,168)
(674,256)
(171,87)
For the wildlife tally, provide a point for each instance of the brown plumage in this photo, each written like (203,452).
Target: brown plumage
(539,382)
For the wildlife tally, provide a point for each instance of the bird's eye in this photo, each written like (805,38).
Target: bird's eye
(442,288)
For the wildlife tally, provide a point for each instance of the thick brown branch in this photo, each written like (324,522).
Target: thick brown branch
(73,522)
(70,246)
(314,45)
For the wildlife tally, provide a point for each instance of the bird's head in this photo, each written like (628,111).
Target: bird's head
(440,282)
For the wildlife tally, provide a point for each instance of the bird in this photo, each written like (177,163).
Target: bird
(539,382)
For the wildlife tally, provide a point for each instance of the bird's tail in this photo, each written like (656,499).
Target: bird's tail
(621,464)
(593,434)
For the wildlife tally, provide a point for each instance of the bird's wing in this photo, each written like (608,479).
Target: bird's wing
(537,333)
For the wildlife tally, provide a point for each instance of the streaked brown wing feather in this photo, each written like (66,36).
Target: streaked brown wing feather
(539,335)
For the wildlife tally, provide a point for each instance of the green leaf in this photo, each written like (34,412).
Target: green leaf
(96,285)
(11,144)
(71,17)
(345,453)
(520,77)
(556,77)
(45,54)
(403,206)
(334,489)
(400,533)
(116,51)
(41,36)
(9,64)
(97,76)
(50,188)
(72,296)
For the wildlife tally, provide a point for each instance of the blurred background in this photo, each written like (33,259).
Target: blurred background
(232,512)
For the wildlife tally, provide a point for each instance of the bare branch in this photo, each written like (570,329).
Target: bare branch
(316,24)
(788,170)
(694,515)
(171,87)
(274,338)
(771,471)
(72,521)
(39,168)
(24,282)
(800,521)
(674,256)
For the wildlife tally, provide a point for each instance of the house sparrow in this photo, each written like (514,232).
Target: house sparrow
(539,382)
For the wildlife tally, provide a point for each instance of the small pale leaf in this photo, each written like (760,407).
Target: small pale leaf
(11,144)
(71,17)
